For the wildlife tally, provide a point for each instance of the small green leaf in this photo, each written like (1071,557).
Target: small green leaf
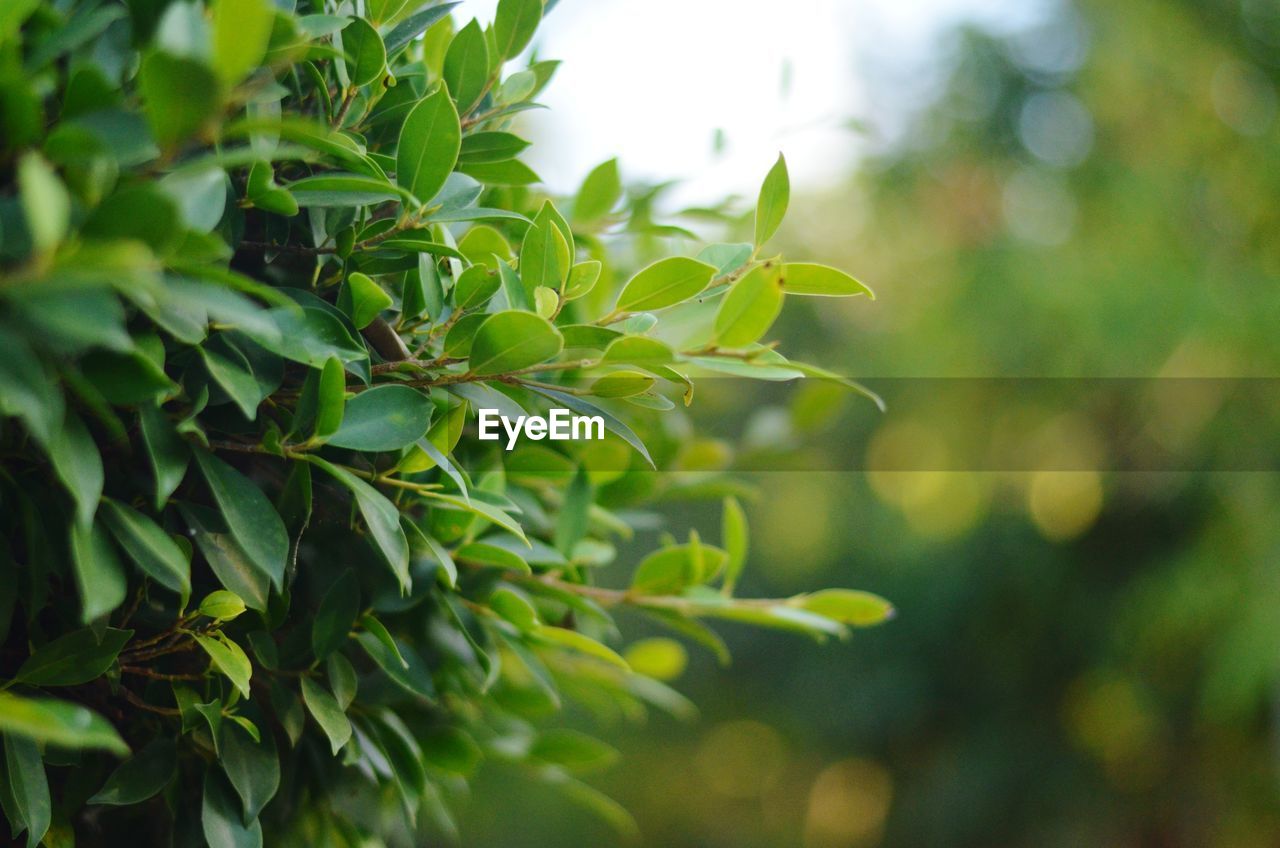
(514,25)
(582,279)
(330,399)
(328,713)
(809,278)
(368,299)
(735,538)
(847,606)
(514,607)
(252,765)
(99,575)
(574,516)
(228,658)
(342,190)
(241,29)
(221,817)
(77,657)
(140,777)
(384,418)
(342,677)
(28,787)
(381,516)
(638,350)
(483,553)
(181,96)
(572,750)
(466,66)
(659,658)
(222,605)
(60,723)
(336,616)
(226,558)
(511,172)
(490,147)
(576,641)
(429,143)
(544,257)
(750,308)
(78,465)
(621,384)
(366,53)
(771,206)
(600,192)
(509,341)
(665,283)
(166,450)
(149,546)
(45,202)
(475,286)
(252,520)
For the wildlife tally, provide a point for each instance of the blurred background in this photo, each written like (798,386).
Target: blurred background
(1083,655)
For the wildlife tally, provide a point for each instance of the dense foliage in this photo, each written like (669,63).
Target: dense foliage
(260,579)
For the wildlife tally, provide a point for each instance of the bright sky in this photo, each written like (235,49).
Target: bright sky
(652,81)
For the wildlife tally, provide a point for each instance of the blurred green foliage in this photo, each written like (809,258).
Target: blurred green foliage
(1081,658)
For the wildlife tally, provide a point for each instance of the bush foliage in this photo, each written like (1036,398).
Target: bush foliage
(261,266)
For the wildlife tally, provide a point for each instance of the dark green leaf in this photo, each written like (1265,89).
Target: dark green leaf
(381,517)
(429,144)
(28,786)
(181,96)
(252,766)
(77,657)
(508,341)
(99,575)
(336,616)
(366,54)
(221,818)
(140,777)
(328,713)
(251,518)
(384,418)
(466,66)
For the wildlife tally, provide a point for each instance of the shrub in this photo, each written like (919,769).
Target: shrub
(261,267)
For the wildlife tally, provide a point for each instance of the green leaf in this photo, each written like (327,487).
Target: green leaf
(583,277)
(26,391)
(252,520)
(324,708)
(750,308)
(511,172)
(241,29)
(668,571)
(771,206)
(252,765)
(181,96)
(222,605)
(336,616)
(466,66)
(72,659)
(659,658)
(810,278)
(384,418)
(621,384)
(141,776)
(572,750)
(366,53)
(149,546)
(515,608)
(509,341)
(574,517)
(221,818)
(429,143)
(165,449)
(390,654)
(44,201)
(611,423)
(367,299)
(544,257)
(342,190)
(414,25)
(228,560)
(228,658)
(600,192)
(60,723)
(735,539)
(78,465)
(475,286)
(405,668)
(576,641)
(342,677)
(490,147)
(28,786)
(482,553)
(514,25)
(847,606)
(638,350)
(381,516)
(331,399)
(99,576)
(665,283)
